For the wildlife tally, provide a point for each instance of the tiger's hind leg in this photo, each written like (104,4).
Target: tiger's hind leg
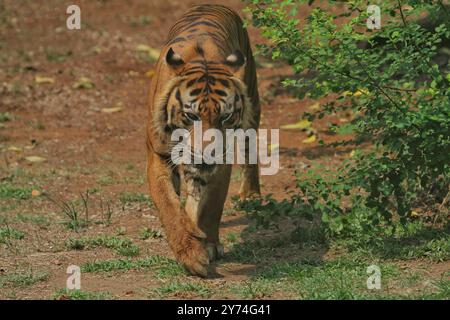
(250,172)
(250,181)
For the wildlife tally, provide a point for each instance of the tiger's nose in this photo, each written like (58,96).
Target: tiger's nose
(205,167)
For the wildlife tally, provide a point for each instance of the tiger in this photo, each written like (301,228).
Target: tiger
(205,72)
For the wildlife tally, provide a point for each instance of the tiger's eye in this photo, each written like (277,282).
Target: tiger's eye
(226,117)
(191,116)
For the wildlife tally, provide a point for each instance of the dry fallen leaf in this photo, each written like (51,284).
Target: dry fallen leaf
(407,7)
(150,73)
(309,139)
(35,159)
(315,106)
(111,110)
(302,124)
(44,80)
(268,65)
(83,83)
(152,53)
(142,47)
(15,149)
(415,213)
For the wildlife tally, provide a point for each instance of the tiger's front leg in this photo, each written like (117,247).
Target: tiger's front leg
(204,204)
(185,238)
(250,172)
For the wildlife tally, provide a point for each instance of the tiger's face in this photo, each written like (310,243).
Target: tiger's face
(217,103)
(208,92)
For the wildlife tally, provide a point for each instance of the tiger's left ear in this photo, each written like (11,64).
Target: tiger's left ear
(173,59)
(236,60)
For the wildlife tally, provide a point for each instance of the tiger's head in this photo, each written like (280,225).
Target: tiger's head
(212,92)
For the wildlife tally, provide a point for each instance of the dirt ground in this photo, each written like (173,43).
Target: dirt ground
(89,134)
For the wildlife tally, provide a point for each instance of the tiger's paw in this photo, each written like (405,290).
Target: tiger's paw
(191,252)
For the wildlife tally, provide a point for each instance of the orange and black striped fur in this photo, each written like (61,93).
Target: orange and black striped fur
(206,72)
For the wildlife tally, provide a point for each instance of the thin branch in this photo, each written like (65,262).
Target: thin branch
(401,13)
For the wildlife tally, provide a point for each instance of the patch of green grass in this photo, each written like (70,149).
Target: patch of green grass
(416,242)
(7,234)
(140,21)
(22,279)
(169,270)
(257,288)
(93,190)
(65,294)
(54,56)
(340,279)
(177,287)
(122,246)
(106,180)
(8,191)
(134,197)
(162,265)
(71,210)
(146,233)
(231,237)
(139,180)
(309,236)
(257,251)
(442,293)
(5,116)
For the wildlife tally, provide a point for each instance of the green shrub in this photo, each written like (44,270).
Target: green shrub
(397,94)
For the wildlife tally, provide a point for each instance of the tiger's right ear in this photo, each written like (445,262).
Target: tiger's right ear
(173,59)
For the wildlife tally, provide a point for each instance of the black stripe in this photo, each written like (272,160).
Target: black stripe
(172,113)
(173,41)
(224,83)
(220,92)
(178,97)
(198,49)
(190,83)
(195,92)
(203,23)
